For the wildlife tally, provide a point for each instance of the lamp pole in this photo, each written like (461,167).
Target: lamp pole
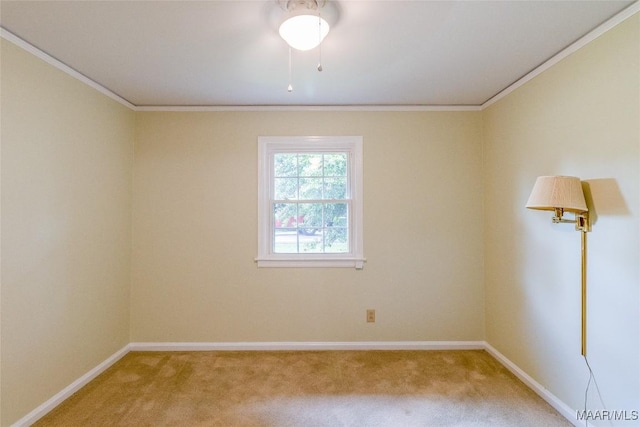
(584,290)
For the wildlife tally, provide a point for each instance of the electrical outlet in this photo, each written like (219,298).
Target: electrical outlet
(371,316)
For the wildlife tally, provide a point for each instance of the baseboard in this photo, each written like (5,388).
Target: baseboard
(65,393)
(550,398)
(295,346)
(50,404)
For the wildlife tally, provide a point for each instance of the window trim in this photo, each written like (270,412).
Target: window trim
(267,146)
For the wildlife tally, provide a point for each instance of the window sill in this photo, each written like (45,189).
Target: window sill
(324,262)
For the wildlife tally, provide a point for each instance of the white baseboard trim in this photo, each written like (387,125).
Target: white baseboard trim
(50,404)
(297,346)
(65,393)
(551,399)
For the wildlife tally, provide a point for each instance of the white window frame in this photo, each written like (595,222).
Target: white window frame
(267,147)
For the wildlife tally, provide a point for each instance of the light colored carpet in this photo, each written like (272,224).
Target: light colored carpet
(306,389)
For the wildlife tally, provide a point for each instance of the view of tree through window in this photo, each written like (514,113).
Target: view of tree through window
(310,203)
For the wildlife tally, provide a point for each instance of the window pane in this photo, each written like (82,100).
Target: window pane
(310,227)
(285,240)
(285,215)
(335,164)
(310,164)
(310,188)
(336,240)
(285,188)
(310,215)
(285,164)
(311,244)
(336,214)
(335,188)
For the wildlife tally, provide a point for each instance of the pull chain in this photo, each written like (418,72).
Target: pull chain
(290,87)
(319,41)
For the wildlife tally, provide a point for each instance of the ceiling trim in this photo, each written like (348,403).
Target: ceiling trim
(311,108)
(583,41)
(572,48)
(9,36)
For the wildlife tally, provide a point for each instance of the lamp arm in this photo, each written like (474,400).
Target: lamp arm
(558,220)
(581,219)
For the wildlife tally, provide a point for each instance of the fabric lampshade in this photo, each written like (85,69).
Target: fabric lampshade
(552,192)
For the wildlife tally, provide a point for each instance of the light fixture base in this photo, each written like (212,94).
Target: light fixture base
(290,5)
(582,222)
(581,219)
(278,11)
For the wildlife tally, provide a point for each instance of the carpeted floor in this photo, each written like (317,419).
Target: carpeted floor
(306,389)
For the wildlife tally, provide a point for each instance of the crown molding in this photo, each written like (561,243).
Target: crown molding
(310,108)
(569,50)
(633,9)
(9,36)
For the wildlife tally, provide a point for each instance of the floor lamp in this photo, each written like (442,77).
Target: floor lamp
(562,194)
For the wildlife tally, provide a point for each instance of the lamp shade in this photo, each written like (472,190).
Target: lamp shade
(304,31)
(551,192)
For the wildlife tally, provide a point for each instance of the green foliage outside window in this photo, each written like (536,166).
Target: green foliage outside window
(310,209)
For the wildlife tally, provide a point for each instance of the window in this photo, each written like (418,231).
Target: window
(310,202)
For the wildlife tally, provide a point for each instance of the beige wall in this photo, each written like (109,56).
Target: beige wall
(435,270)
(67,155)
(195,232)
(582,118)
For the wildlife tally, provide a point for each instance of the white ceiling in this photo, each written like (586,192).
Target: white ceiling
(228,53)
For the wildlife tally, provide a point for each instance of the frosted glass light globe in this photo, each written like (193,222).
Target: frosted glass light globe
(304,32)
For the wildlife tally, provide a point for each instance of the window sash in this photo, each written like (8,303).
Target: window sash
(325,229)
(268,148)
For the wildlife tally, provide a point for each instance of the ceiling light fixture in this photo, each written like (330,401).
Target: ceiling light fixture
(303,27)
